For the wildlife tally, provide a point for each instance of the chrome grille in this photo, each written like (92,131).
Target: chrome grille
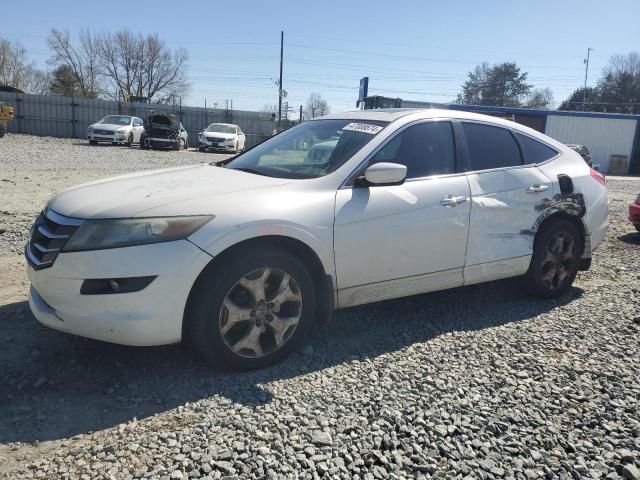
(215,139)
(49,235)
(103,132)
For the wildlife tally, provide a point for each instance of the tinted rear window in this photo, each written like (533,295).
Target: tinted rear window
(491,147)
(534,151)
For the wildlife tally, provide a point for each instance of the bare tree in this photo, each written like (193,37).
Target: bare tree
(142,66)
(541,98)
(81,59)
(16,71)
(316,106)
(123,63)
(270,108)
(37,81)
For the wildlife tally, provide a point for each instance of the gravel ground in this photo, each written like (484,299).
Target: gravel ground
(478,382)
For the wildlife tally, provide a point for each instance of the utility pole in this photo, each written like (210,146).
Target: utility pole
(280,82)
(586,74)
(300,114)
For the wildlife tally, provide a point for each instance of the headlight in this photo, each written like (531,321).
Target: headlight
(121,130)
(127,232)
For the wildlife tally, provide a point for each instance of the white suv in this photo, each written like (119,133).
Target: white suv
(242,259)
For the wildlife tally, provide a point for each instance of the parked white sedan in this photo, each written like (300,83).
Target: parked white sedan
(243,258)
(117,129)
(222,136)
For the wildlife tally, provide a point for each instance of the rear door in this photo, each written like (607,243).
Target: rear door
(508,193)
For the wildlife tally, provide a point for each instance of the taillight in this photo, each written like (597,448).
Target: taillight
(597,176)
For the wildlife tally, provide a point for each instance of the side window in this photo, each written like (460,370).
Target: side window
(426,149)
(491,147)
(534,151)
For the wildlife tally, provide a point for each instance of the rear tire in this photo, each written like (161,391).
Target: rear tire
(143,143)
(637,225)
(555,261)
(3,130)
(226,289)
(202,149)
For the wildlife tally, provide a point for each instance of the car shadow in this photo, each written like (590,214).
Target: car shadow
(630,238)
(103,144)
(57,385)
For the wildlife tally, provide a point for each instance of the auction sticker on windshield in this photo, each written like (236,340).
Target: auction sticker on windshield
(363,127)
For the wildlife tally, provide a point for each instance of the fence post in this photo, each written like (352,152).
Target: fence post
(19,115)
(74,119)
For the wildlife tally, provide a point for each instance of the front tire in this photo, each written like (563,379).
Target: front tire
(129,140)
(555,261)
(252,311)
(93,142)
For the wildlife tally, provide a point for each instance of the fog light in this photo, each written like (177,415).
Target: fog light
(114,286)
(106,286)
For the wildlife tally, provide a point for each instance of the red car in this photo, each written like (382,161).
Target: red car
(634,213)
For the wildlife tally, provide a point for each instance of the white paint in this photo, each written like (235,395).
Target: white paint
(501,210)
(603,136)
(375,242)
(379,236)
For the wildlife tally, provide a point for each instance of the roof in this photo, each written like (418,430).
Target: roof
(392,114)
(383,115)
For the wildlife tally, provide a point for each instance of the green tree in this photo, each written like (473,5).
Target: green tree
(64,82)
(500,85)
(574,102)
(618,89)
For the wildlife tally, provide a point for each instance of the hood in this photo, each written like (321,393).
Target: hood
(219,135)
(106,126)
(131,195)
(162,121)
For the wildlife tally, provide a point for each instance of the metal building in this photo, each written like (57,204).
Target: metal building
(605,134)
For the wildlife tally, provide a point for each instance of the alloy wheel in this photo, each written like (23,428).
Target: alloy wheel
(260,312)
(558,260)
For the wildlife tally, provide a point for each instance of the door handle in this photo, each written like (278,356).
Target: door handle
(537,188)
(452,201)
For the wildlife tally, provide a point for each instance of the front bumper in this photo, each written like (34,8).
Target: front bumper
(634,213)
(162,142)
(151,316)
(204,142)
(101,138)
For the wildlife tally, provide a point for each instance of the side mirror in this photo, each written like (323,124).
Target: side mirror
(384,173)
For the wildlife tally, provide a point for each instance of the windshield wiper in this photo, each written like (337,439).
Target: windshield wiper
(250,170)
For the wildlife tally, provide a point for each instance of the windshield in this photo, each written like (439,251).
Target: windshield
(309,150)
(116,120)
(219,128)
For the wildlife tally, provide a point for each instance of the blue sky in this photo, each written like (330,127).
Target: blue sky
(418,50)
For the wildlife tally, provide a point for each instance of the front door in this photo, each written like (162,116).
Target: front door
(394,241)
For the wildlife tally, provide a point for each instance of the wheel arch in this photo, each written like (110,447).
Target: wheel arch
(579,223)
(322,279)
